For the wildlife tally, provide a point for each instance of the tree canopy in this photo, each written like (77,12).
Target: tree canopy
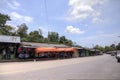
(53,37)
(33,36)
(36,35)
(3,19)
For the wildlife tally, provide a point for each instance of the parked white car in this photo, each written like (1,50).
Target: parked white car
(118,56)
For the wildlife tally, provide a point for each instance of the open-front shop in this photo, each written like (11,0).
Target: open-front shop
(8,47)
(31,50)
(54,52)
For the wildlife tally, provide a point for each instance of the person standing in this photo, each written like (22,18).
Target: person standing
(8,53)
(4,54)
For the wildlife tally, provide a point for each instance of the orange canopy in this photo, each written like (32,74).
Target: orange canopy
(60,49)
(70,49)
(44,49)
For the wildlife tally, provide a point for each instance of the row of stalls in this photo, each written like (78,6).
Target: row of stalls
(88,52)
(55,52)
(45,52)
(11,48)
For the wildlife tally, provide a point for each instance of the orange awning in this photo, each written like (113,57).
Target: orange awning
(70,49)
(60,49)
(44,49)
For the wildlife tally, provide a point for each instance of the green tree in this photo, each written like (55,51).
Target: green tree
(34,36)
(7,30)
(113,46)
(118,46)
(53,37)
(62,40)
(108,48)
(99,48)
(22,31)
(3,19)
(68,42)
(4,28)
(45,40)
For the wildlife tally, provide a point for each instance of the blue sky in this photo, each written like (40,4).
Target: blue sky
(85,22)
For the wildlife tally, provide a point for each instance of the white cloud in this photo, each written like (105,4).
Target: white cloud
(21,18)
(15,28)
(96,20)
(74,30)
(13,4)
(16,4)
(82,9)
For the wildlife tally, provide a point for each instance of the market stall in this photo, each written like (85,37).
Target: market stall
(8,47)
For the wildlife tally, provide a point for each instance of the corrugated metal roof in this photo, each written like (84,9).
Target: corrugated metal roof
(42,44)
(9,39)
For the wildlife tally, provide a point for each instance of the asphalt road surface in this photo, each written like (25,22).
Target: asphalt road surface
(103,67)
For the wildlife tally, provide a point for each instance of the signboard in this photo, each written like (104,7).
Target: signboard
(9,39)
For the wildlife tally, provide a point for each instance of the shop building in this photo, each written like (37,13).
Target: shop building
(39,50)
(8,47)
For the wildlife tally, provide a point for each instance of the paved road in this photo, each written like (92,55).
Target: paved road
(98,67)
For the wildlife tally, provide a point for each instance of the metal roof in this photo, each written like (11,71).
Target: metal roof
(9,39)
(42,44)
